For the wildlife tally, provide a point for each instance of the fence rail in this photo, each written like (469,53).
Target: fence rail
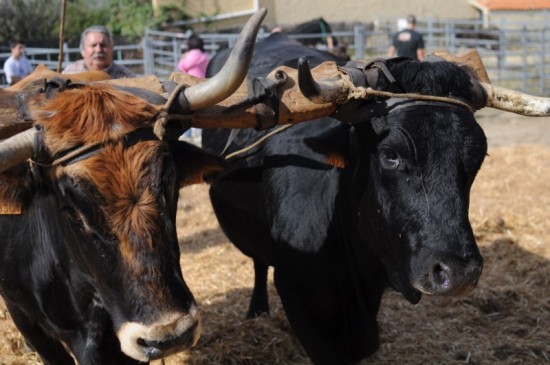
(514,54)
(128,55)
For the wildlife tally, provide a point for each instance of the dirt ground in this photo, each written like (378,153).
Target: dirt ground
(506,320)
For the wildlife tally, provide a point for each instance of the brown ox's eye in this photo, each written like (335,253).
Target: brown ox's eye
(74,217)
(389,159)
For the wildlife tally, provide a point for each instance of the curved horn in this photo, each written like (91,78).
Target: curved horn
(16,149)
(230,77)
(325,91)
(516,102)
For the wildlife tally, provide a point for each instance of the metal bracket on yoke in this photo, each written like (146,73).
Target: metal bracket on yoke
(263,94)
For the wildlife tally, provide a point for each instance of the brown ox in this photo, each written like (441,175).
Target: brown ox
(89,263)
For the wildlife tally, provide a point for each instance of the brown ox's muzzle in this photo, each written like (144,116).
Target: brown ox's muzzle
(171,333)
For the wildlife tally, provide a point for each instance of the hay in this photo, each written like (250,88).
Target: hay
(506,320)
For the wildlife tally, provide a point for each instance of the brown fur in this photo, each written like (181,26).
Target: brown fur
(335,160)
(126,179)
(41,72)
(96,113)
(124,176)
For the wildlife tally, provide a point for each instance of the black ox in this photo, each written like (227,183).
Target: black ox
(89,259)
(344,210)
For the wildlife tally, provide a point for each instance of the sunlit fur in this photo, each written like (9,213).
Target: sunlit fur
(98,113)
(42,73)
(125,177)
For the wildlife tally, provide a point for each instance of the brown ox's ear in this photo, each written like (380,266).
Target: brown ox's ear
(194,165)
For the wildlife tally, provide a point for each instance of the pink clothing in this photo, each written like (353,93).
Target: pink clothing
(194,62)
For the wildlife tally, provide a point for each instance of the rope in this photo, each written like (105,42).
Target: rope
(261,140)
(361,93)
(69,156)
(364,93)
(162,117)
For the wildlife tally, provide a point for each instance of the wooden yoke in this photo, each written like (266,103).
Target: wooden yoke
(294,107)
(469,58)
(16,102)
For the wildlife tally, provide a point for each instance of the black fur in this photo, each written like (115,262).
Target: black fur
(396,214)
(62,275)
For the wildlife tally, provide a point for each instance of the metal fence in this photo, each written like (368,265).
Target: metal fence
(514,54)
(128,55)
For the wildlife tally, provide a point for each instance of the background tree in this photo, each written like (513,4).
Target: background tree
(29,20)
(79,16)
(37,22)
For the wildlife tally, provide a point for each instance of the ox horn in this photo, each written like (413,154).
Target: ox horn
(321,92)
(516,102)
(230,77)
(337,90)
(16,149)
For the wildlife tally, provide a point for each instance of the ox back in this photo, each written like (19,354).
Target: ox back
(344,211)
(89,266)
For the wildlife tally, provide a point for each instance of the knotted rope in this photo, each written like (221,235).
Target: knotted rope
(163,115)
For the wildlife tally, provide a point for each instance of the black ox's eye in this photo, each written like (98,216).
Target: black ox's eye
(389,159)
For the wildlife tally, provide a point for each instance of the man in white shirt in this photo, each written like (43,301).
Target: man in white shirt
(17,65)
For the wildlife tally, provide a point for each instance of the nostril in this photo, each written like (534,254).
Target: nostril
(151,348)
(441,275)
(148,343)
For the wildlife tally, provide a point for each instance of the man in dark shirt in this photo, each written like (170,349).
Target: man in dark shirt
(408,42)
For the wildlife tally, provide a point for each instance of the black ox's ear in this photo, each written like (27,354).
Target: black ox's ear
(379,125)
(333,144)
(194,165)
(359,112)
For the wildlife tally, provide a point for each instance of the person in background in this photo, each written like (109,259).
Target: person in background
(408,42)
(96,48)
(17,65)
(194,62)
(195,59)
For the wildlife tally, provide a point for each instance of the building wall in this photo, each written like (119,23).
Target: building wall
(223,14)
(516,19)
(379,12)
(292,12)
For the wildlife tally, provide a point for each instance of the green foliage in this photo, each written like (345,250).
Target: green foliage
(28,19)
(40,20)
(167,15)
(129,18)
(79,16)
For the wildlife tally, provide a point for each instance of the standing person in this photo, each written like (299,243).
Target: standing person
(17,65)
(408,42)
(96,48)
(195,60)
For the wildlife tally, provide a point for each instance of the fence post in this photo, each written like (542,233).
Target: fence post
(176,52)
(542,76)
(524,65)
(430,34)
(359,41)
(501,49)
(148,57)
(66,58)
